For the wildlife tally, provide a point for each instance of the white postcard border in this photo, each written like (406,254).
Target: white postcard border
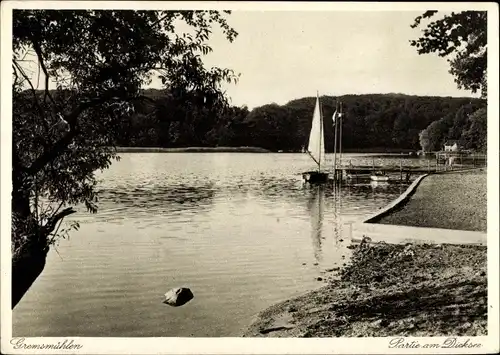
(488,343)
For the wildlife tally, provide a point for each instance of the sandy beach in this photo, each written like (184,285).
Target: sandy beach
(455,200)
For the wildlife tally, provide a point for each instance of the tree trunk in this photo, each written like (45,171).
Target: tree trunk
(28,259)
(30,246)
(27,265)
(29,240)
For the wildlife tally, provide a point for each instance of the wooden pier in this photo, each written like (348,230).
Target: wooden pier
(357,172)
(442,163)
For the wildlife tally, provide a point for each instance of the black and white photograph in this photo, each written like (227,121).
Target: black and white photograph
(238,172)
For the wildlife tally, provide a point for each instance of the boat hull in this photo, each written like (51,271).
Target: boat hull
(315,177)
(379,178)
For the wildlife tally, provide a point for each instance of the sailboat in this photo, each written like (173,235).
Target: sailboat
(316,147)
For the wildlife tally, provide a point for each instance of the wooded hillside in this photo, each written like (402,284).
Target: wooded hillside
(371,122)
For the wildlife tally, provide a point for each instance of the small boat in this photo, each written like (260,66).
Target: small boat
(379,176)
(315,177)
(316,148)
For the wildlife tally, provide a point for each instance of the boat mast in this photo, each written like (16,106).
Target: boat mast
(320,130)
(335,144)
(340,136)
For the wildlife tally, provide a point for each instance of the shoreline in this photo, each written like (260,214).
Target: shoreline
(251,149)
(192,150)
(389,290)
(410,289)
(460,194)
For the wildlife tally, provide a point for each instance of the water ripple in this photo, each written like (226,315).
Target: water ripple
(241,230)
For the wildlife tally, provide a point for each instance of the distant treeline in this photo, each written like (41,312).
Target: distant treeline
(191,150)
(387,122)
(371,123)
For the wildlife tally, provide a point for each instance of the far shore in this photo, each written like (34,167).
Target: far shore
(191,150)
(245,149)
(377,152)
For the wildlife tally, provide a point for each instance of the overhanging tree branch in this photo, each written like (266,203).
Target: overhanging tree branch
(38,51)
(33,91)
(52,222)
(72,119)
(83,44)
(462,37)
(16,160)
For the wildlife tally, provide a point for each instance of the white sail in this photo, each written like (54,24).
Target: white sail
(316,147)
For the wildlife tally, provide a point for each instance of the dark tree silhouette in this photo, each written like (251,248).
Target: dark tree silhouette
(462,37)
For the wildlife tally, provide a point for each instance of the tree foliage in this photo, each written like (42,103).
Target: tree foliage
(372,122)
(434,136)
(474,136)
(98,62)
(467,125)
(462,37)
(425,141)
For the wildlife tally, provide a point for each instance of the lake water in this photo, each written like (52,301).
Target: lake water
(240,230)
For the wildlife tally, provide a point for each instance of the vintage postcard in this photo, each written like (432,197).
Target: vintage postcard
(249,177)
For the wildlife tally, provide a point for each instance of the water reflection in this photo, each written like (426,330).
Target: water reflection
(157,198)
(316,209)
(337,224)
(325,210)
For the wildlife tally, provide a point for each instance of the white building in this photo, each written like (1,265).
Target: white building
(451,146)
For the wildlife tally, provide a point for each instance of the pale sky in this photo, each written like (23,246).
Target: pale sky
(287,55)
